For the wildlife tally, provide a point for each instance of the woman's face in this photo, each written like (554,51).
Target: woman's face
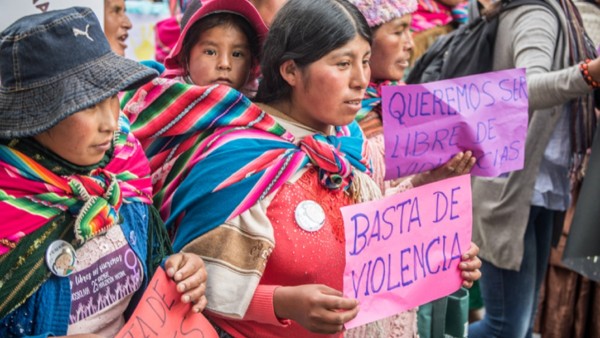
(329,91)
(116,25)
(84,137)
(392,44)
(221,55)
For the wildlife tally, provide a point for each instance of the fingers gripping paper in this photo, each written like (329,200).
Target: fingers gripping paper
(160,313)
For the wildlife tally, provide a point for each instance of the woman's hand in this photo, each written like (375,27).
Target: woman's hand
(318,308)
(470,266)
(188,271)
(460,164)
(594,69)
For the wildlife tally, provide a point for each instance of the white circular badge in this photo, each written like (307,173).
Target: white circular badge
(310,216)
(60,258)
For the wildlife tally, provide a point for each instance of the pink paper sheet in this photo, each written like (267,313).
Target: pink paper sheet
(425,125)
(403,251)
(160,313)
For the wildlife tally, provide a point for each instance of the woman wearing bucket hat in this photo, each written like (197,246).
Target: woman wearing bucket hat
(79,239)
(219,43)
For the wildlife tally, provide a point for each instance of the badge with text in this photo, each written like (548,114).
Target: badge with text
(403,250)
(425,125)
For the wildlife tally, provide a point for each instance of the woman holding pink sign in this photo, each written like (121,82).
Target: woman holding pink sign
(261,195)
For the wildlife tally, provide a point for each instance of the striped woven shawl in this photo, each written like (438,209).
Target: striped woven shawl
(214,154)
(242,152)
(43,198)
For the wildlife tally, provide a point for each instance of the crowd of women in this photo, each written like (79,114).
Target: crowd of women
(230,167)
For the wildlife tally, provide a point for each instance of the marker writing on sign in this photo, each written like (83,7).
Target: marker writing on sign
(418,143)
(398,219)
(406,266)
(466,98)
(150,326)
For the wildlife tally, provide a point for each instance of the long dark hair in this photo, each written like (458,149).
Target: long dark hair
(305,31)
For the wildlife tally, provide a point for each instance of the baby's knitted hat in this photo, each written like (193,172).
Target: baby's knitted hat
(378,12)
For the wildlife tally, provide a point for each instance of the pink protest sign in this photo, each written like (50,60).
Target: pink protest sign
(426,124)
(403,251)
(160,313)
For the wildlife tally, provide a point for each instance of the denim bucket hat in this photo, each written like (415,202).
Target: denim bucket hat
(55,64)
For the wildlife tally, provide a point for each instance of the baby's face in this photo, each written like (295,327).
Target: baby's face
(221,55)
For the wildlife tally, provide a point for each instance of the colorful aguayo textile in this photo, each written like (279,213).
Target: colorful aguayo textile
(31,195)
(245,155)
(43,199)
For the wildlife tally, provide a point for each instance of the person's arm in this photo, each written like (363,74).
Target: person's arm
(318,308)
(262,309)
(459,164)
(532,32)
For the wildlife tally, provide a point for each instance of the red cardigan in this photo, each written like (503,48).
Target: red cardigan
(300,257)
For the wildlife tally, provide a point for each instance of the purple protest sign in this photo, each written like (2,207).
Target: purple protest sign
(426,124)
(403,250)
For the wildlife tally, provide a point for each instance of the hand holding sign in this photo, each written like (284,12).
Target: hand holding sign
(318,308)
(160,313)
(470,266)
(188,271)
(460,164)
